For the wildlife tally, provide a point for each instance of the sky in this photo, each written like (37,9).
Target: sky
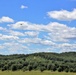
(31,26)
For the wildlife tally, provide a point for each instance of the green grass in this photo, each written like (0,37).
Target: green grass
(34,73)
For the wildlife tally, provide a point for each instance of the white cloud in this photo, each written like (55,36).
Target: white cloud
(27,26)
(63,15)
(6,19)
(15,33)
(8,37)
(31,33)
(54,35)
(62,33)
(27,33)
(3,29)
(56,31)
(1,47)
(30,40)
(37,41)
(47,42)
(13,48)
(66,47)
(24,7)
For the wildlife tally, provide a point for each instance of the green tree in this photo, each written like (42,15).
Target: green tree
(14,67)
(42,68)
(30,67)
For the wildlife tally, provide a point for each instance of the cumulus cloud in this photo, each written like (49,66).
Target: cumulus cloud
(24,7)
(1,47)
(8,37)
(3,29)
(62,33)
(27,26)
(31,33)
(13,47)
(63,15)
(15,33)
(6,19)
(37,41)
(52,36)
(66,47)
(30,40)
(56,31)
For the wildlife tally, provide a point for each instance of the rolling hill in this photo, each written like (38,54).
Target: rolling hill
(39,61)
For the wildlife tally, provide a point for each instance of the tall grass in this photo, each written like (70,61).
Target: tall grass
(34,73)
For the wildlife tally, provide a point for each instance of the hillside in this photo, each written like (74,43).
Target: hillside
(39,61)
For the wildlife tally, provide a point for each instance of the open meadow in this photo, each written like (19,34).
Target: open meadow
(34,73)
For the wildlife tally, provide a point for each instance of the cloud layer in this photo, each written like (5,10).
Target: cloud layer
(56,31)
(24,36)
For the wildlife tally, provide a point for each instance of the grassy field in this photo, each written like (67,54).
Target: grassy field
(34,73)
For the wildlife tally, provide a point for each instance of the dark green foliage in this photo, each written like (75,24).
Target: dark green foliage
(30,67)
(25,69)
(49,66)
(60,69)
(39,61)
(14,67)
(42,68)
(66,70)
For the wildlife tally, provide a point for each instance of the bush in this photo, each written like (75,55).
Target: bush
(24,69)
(60,69)
(66,70)
(30,68)
(71,69)
(42,69)
(14,67)
(4,68)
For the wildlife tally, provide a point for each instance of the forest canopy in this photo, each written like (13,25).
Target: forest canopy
(39,61)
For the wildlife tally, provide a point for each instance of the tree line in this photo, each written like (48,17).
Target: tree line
(39,61)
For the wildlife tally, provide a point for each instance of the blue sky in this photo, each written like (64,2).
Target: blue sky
(29,26)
